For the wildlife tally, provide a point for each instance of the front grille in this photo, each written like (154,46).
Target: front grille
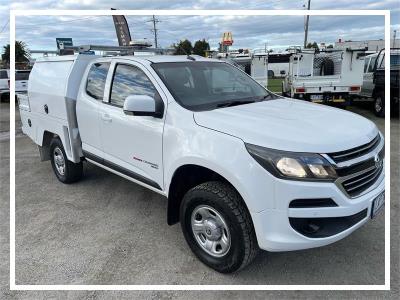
(354,186)
(345,155)
(356,178)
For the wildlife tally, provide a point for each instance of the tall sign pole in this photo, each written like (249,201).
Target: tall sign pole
(306,25)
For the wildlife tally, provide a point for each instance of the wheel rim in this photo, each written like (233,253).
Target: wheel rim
(59,160)
(378,104)
(210,231)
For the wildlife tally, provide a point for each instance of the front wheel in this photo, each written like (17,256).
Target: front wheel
(218,227)
(379,105)
(65,170)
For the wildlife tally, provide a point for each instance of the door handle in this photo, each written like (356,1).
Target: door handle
(106,118)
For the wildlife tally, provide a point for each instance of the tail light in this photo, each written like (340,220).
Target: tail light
(300,90)
(355,88)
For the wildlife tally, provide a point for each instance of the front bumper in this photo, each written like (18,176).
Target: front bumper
(274,231)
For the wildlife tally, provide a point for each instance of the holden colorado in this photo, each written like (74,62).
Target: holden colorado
(242,169)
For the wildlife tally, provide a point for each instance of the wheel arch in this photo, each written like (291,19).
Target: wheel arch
(183,179)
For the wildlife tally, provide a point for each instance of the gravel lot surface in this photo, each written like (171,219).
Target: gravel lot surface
(107,230)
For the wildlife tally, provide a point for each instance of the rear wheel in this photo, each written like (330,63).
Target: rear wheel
(65,170)
(379,105)
(284,94)
(218,227)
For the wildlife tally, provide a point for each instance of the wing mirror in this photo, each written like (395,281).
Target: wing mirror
(143,105)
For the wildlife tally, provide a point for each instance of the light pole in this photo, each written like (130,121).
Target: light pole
(306,25)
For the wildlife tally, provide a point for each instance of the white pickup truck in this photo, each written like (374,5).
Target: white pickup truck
(242,168)
(21,82)
(330,76)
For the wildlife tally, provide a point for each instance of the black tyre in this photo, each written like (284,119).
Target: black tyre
(218,227)
(327,67)
(379,105)
(284,94)
(4,98)
(65,170)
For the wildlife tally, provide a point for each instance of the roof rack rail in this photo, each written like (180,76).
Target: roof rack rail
(122,50)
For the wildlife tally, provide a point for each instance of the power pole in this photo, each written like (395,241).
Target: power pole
(154,30)
(394,38)
(306,25)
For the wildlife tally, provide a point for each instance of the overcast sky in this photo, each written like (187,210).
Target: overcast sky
(251,32)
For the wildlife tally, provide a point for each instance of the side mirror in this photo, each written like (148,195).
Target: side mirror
(141,105)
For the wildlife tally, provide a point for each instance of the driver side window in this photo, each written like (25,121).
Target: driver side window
(130,80)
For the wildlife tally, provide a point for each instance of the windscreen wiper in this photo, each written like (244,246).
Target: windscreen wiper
(234,103)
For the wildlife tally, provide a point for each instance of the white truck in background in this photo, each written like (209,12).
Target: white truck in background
(4,84)
(21,82)
(241,167)
(330,76)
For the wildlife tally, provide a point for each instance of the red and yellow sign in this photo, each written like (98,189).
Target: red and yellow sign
(227,39)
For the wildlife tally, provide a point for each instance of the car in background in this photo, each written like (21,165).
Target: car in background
(4,83)
(21,82)
(330,76)
(373,87)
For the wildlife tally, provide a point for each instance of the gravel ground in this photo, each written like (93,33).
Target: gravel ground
(107,230)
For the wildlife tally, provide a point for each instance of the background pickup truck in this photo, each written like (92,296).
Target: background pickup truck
(379,83)
(329,76)
(241,167)
(21,82)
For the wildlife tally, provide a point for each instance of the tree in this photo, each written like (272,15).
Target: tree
(200,47)
(330,46)
(312,45)
(21,52)
(184,47)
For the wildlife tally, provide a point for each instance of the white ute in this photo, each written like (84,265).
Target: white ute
(242,168)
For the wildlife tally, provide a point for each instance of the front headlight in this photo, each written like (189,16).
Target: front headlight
(293,165)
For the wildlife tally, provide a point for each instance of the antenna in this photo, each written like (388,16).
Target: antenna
(187,54)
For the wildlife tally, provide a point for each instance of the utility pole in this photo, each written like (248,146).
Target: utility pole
(394,38)
(154,30)
(306,25)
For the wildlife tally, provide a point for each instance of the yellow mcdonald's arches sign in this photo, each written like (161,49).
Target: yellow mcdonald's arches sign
(227,39)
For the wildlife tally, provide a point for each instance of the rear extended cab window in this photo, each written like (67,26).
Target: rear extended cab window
(96,80)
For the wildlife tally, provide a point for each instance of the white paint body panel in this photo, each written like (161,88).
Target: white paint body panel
(214,140)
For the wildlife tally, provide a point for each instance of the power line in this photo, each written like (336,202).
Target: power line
(4,27)
(154,30)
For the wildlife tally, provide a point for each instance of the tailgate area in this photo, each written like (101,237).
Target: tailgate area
(26,116)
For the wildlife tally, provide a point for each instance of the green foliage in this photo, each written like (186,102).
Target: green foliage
(312,45)
(184,47)
(200,47)
(21,52)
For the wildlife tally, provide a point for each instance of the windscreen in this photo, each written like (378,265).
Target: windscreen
(22,75)
(200,85)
